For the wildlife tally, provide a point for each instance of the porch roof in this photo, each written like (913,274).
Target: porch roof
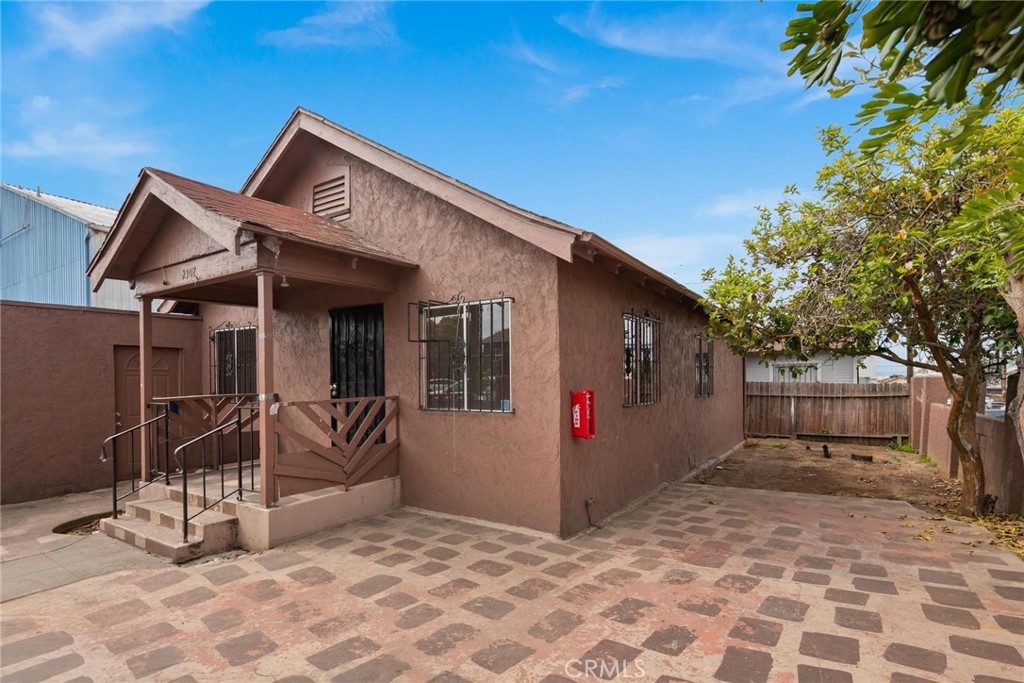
(225,215)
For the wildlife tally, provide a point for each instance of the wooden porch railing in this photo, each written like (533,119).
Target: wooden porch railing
(193,415)
(347,436)
(190,416)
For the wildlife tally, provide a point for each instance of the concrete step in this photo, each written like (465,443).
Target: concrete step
(196,500)
(195,496)
(154,539)
(155,525)
(168,513)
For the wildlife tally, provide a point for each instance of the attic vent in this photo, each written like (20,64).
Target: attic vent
(331,197)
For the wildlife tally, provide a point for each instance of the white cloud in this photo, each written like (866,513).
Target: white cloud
(742,204)
(677,35)
(557,78)
(521,51)
(723,37)
(682,257)
(694,98)
(343,24)
(59,134)
(578,93)
(85,28)
(39,104)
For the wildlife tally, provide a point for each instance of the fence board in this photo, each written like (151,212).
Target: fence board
(862,412)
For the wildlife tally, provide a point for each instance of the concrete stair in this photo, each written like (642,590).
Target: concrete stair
(154,524)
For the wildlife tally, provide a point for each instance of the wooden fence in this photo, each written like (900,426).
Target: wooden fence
(857,413)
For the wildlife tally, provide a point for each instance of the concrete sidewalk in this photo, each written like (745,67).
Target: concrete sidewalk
(33,558)
(697,584)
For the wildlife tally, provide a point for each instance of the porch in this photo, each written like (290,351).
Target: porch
(279,465)
(204,493)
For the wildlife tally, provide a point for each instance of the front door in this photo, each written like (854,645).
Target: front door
(166,382)
(357,357)
(357,351)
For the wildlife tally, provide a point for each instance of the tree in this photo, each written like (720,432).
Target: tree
(921,59)
(939,48)
(868,263)
(994,223)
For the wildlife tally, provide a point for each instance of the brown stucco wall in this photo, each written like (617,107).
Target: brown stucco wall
(924,391)
(636,448)
(1000,456)
(500,467)
(1004,467)
(937,444)
(57,391)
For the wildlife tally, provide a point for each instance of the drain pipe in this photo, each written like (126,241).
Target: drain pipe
(590,502)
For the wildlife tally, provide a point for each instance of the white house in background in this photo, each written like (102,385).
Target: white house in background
(821,367)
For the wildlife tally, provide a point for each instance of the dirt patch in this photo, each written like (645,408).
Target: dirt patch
(801,467)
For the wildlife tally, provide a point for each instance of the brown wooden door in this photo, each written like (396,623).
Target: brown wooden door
(166,382)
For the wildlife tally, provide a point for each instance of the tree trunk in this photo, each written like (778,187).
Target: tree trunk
(1015,409)
(962,428)
(1014,295)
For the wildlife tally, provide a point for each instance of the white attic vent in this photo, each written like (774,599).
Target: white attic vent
(331,197)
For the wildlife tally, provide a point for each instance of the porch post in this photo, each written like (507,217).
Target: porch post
(265,385)
(145,379)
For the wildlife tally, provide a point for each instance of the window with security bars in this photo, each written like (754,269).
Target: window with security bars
(704,362)
(641,352)
(233,354)
(465,356)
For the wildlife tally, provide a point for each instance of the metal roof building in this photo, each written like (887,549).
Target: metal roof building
(46,243)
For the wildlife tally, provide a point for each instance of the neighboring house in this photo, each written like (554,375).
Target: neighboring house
(402,322)
(821,367)
(46,243)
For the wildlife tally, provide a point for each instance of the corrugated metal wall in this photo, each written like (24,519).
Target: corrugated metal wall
(113,293)
(44,254)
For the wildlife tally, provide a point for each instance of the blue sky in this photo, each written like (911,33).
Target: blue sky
(659,126)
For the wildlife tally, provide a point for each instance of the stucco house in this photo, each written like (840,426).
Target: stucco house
(413,339)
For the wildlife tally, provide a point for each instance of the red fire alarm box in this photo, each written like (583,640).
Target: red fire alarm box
(583,414)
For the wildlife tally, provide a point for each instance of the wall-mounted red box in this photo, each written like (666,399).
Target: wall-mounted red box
(583,414)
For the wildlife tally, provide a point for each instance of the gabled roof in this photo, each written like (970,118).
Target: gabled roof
(93,215)
(223,215)
(277,219)
(560,239)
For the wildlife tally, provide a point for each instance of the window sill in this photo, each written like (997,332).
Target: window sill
(468,412)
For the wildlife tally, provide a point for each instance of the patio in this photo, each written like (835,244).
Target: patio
(698,583)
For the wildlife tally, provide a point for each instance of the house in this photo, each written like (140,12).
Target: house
(46,242)
(416,340)
(821,367)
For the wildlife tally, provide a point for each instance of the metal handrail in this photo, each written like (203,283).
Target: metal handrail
(113,440)
(182,466)
(103,447)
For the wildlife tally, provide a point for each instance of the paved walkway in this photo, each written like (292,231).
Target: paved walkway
(33,559)
(698,584)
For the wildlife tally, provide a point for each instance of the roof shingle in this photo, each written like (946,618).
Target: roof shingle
(285,221)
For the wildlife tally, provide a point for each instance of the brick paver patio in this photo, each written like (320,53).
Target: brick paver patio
(697,584)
